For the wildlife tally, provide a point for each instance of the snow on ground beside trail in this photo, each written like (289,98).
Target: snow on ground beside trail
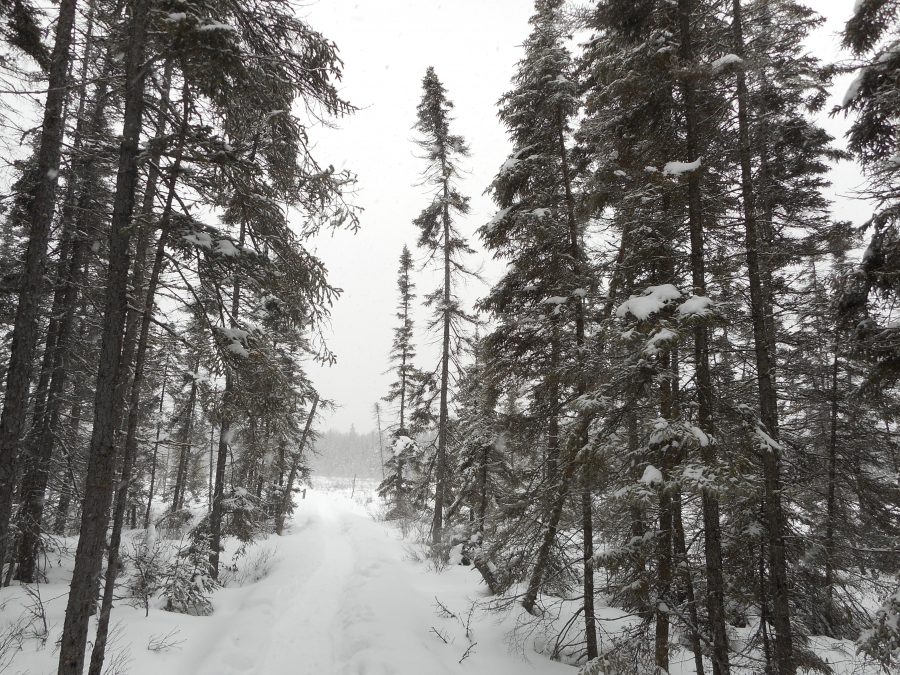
(342,593)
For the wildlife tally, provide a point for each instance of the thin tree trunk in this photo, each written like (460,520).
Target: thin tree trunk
(831,496)
(579,440)
(680,547)
(543,556)
(638,527)
(57,353)
(287,497)
(162,396)
(587,529)
(184,457)
(380,439)
(553,409)
(437,525)
(37,453)
(107,409)
(62,507)
(664,536)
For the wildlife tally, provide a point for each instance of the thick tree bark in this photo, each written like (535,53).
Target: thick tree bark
(40,214)
(107,408)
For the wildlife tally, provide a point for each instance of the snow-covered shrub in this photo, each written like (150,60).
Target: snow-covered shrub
(882,640)
(399,489)
(147,560)
(247,519)
(173,523)
(188,584)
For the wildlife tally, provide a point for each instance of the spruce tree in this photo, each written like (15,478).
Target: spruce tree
(446,248)
(405,392)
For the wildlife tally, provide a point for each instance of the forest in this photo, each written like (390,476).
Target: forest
(664,440)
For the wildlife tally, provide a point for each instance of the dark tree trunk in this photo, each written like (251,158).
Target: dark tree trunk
(139,352)
(549,539)
(185,454)
(553,408)
(40,444)
(107,406)
(45,417)
(784,653)
(40,214)
(710,501)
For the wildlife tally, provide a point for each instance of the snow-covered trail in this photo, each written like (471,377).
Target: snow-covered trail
(344,599)
(340,594)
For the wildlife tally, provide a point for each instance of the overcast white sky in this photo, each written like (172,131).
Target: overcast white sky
(386,46)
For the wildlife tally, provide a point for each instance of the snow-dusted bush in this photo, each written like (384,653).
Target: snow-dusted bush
(247,520)
(882,640)
(147,559)
(188,584)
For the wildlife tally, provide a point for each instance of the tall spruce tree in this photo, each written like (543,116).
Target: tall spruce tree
(446,249)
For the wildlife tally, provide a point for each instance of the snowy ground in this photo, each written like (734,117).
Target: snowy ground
(342,594)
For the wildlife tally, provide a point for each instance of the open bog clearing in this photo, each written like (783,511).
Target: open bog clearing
(341,593)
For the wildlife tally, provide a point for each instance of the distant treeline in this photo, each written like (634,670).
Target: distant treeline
(347,453)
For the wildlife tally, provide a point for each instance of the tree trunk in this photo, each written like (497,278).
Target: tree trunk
(40,214)
(543,556)
(185,454)
(218,506)
(587,530)
(153,465)
(130,447)
(62,508)
(38,449)
(287,497)
(831,494)
(107,409)
(680,547)
(710,501)
(437,524)
(784,653)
